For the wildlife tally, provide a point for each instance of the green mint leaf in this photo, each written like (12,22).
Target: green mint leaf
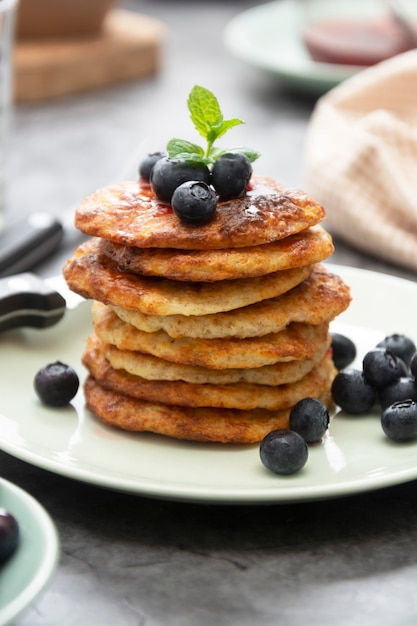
(251,154)
(176,147)
(208,120)
(218,152)
(204,110)
(193,157)
(221,129)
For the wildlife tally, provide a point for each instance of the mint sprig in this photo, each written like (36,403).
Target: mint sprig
(209,122)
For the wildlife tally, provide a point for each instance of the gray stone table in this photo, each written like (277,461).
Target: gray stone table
(131,561)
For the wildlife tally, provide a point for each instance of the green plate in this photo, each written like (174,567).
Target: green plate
(31,566)
(268,37)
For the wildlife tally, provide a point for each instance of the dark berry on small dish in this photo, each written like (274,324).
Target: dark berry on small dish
(343,351)
(194,202)
(168,174)
(413,365)
(9,535)
(310,419)
(231,174)
(283,451)
(400,345)
(352,392)
(399,421)
(403,389)
(56,384)
(381,367)
(146,166)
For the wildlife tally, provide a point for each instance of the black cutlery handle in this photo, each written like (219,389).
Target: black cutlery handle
(26,300)
(27,242)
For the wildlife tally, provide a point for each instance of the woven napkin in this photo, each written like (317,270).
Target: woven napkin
(361,159)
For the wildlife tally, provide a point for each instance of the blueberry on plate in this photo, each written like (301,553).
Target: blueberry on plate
(382,367)
(146,165)
(194,202)
(9,534)
(413,365)
(283,451)
(56,384)
(343,351)
(168,174)
(399,421)
(400,345)
(231,174)
(310,419)
(352,392)
(403,389)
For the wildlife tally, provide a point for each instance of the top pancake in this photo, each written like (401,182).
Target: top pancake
(129,214)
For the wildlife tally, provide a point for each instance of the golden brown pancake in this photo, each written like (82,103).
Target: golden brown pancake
(129,214)
(232,396)
(197,424)
(318,299)
(297,341)
(93,275)
(152,368)
(309,246)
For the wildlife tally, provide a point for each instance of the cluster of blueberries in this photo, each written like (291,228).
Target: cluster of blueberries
(192,188)
(388,377)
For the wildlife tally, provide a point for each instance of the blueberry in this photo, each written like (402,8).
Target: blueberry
(194,202)
(310,419)
(56,384)
(352,392)
(399,421)
(382,367)
(404,388)
(230,175)
(343,349)
(146,166)
(283,451)
(9,534)
(168,174)
(413,365)
(400,345)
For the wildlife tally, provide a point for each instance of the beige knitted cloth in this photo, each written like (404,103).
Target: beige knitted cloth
(361,159)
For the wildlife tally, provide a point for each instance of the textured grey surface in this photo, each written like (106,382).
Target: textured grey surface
(131,561)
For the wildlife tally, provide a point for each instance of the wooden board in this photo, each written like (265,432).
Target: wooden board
(128,47)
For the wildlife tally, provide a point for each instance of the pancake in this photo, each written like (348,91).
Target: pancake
(129,214)
(92,275)
(319,298)
(197,424)
(310,246)
(232,396)
(153,368)
(297,341)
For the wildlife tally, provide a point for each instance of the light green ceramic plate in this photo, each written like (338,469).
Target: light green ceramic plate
(354,457)
(31,566)
(268,37)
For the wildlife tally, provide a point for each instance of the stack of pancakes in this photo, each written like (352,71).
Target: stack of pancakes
(205,333)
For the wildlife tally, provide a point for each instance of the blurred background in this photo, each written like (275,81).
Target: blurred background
(62,148)
(100,83)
